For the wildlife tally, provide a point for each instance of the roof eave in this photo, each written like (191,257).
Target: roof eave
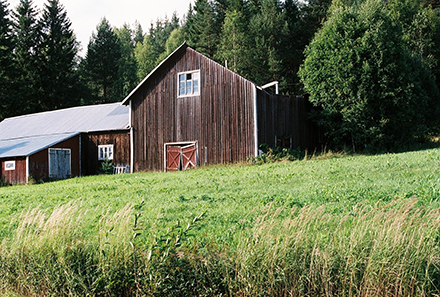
(183,46)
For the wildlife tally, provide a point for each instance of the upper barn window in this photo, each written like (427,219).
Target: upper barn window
(189,83)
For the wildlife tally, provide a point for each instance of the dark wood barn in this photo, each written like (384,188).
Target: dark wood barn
(64,143)
(192,111)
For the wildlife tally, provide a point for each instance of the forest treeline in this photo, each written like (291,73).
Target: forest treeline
(308,46)
(40,68)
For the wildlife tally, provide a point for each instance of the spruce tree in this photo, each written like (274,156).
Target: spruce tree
(233,42)
(26,39)
(102,63)
(6,62)
(203,28)
(268,29)
(127,78)
(57,58)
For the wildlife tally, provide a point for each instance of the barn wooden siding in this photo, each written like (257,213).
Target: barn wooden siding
(220,119)
(39,162)
(283,121)
(90,141)
(17,176)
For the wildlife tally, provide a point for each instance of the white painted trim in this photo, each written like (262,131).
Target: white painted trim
(110,148)
(255,121)
(274,83)
(11,162)
(27,169)
(80,160)
(180,143)
(178,84)
(131,140)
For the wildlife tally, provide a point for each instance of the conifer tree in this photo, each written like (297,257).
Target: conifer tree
(57,58)
(233,42)
(26,39)
(268,29)
(203,28)
(6,62)
(127,78)
(102,63)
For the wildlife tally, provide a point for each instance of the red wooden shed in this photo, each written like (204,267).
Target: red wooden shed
(64,143)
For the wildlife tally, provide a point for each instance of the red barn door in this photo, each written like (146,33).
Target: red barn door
(174,158)
(180,156)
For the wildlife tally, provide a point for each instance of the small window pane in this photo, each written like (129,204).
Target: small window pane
(182,77)
(188,87)
(196,87)
(195,76)
(188,76)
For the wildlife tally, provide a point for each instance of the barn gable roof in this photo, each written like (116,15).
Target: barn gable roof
(181,49)
(174,54)
(25,135)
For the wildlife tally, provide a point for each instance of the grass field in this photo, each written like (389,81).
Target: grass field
(320,227)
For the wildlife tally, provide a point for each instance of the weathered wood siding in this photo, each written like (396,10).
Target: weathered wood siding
(39,162)
(17,176)
(221,118)
(120,140)
(284,119)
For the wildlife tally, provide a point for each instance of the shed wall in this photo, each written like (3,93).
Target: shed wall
(39,162)
(282,118)
(17,176)
(90,142)
(221,118)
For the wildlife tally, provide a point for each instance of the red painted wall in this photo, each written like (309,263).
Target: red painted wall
(17,176)
(39,162)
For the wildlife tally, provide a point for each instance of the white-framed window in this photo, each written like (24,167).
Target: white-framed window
(105,152)
(189,83)
(9,165)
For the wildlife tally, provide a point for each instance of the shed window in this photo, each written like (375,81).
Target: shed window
(189,83)
(105,152)
(9,165)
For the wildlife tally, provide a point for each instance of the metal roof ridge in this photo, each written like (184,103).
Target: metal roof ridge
(63,109)
(41,135)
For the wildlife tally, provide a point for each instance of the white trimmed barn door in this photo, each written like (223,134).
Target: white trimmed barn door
(59,163)
(180,156)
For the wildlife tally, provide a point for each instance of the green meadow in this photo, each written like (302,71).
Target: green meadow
(331,225)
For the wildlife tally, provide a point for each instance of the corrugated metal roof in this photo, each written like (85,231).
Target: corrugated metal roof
(23,135)
(27,146)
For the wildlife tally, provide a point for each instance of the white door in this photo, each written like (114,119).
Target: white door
(59,163)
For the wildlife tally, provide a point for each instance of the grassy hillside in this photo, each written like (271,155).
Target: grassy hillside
(348,223)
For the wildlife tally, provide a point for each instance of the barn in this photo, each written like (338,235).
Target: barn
(192,111)
(64,143)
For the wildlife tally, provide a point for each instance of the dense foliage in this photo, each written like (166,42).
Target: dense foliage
(374,91)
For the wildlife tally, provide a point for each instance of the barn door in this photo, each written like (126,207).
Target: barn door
(59,163)
(189,156)
(180,156)
(173,158)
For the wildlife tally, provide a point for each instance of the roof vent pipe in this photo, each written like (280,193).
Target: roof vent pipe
(274,83)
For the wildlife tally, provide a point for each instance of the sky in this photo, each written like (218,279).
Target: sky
(85,15)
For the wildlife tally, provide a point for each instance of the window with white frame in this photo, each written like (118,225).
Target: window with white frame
(9,165)
(105,152)
(189,83)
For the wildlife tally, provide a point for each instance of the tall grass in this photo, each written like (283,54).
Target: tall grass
(388,249)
